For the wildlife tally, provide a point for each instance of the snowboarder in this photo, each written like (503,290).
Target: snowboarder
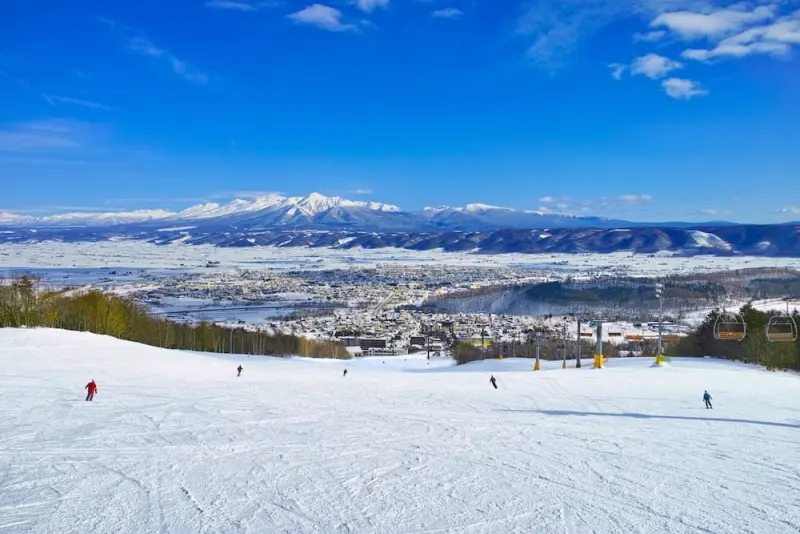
(91,389)
(239,371)
(345,373)
(707,400)
(493,380)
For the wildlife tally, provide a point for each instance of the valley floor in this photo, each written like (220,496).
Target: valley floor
(175,442)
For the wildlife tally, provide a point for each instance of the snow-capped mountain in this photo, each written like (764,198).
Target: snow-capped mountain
(319,221)
(86,219)
(483,216)
(316,211)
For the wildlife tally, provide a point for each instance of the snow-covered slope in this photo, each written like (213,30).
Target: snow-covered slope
(174,442)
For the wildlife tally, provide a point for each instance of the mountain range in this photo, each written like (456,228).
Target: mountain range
(317,211)
(318,221)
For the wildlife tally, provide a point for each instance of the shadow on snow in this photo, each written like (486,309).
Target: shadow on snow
(653,416)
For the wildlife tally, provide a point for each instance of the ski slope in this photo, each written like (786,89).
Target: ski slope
(174,442)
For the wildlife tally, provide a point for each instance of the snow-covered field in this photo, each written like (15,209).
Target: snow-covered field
(140,255)
(174,442)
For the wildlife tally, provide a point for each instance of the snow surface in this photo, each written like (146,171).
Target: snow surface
(139,254)
(174,442)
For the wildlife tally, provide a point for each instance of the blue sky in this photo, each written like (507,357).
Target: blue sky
(638,109)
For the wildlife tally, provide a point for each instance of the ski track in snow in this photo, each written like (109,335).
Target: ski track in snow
(174,442)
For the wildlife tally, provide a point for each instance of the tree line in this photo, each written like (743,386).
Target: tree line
(24,302)
(755,348)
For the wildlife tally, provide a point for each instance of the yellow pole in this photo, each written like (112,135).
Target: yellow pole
(658,359)
(536,366)
(598,361)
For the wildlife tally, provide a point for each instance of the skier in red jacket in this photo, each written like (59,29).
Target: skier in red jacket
(91,389)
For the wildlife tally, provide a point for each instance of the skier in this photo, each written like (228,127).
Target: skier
(345,373)
(239,371)
(493,380)
(91,389)
(707,400)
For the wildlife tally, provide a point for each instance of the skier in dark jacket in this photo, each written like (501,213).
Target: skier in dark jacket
(493,380)
(239,371)
(91,389)
(344,373)
(707,400)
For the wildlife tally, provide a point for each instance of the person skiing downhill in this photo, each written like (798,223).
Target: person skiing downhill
(707,400)
(91,389)
(239,371)
(493,380)
(345,373)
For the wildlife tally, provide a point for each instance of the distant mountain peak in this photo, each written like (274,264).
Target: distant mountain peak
(477,207)
(317,211)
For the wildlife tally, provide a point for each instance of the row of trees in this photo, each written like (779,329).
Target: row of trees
(754,349)
(23,302)
(552,349)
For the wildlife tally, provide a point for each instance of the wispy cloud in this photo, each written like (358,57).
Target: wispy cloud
(682,89)
(547,199)
(635,198)
(78,102)
(229,4)
(772,39)
(44,135)
(28,87)
(617,70)
(447,13)
(720,22)
(243,5)
(323,17)
(363,191)
(145,47)
(555,28)
(368,6)
(654,66)
(790,211)
(649,36)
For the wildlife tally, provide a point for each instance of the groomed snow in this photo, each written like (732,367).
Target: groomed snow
(174,442)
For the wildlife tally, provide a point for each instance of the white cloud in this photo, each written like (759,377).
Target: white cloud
(54,134)
(635,198)
(682,89)
(790,211)
(556,27)
(363,191)
(562,206)
(77,102)
(709,212)
(229,4)
(654,66)
(693,25)
(649,36)
(323,17)
(547,200)
(144,47)
(368,6)
(774,39)
(617,70)
(243,5)
(447,13)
